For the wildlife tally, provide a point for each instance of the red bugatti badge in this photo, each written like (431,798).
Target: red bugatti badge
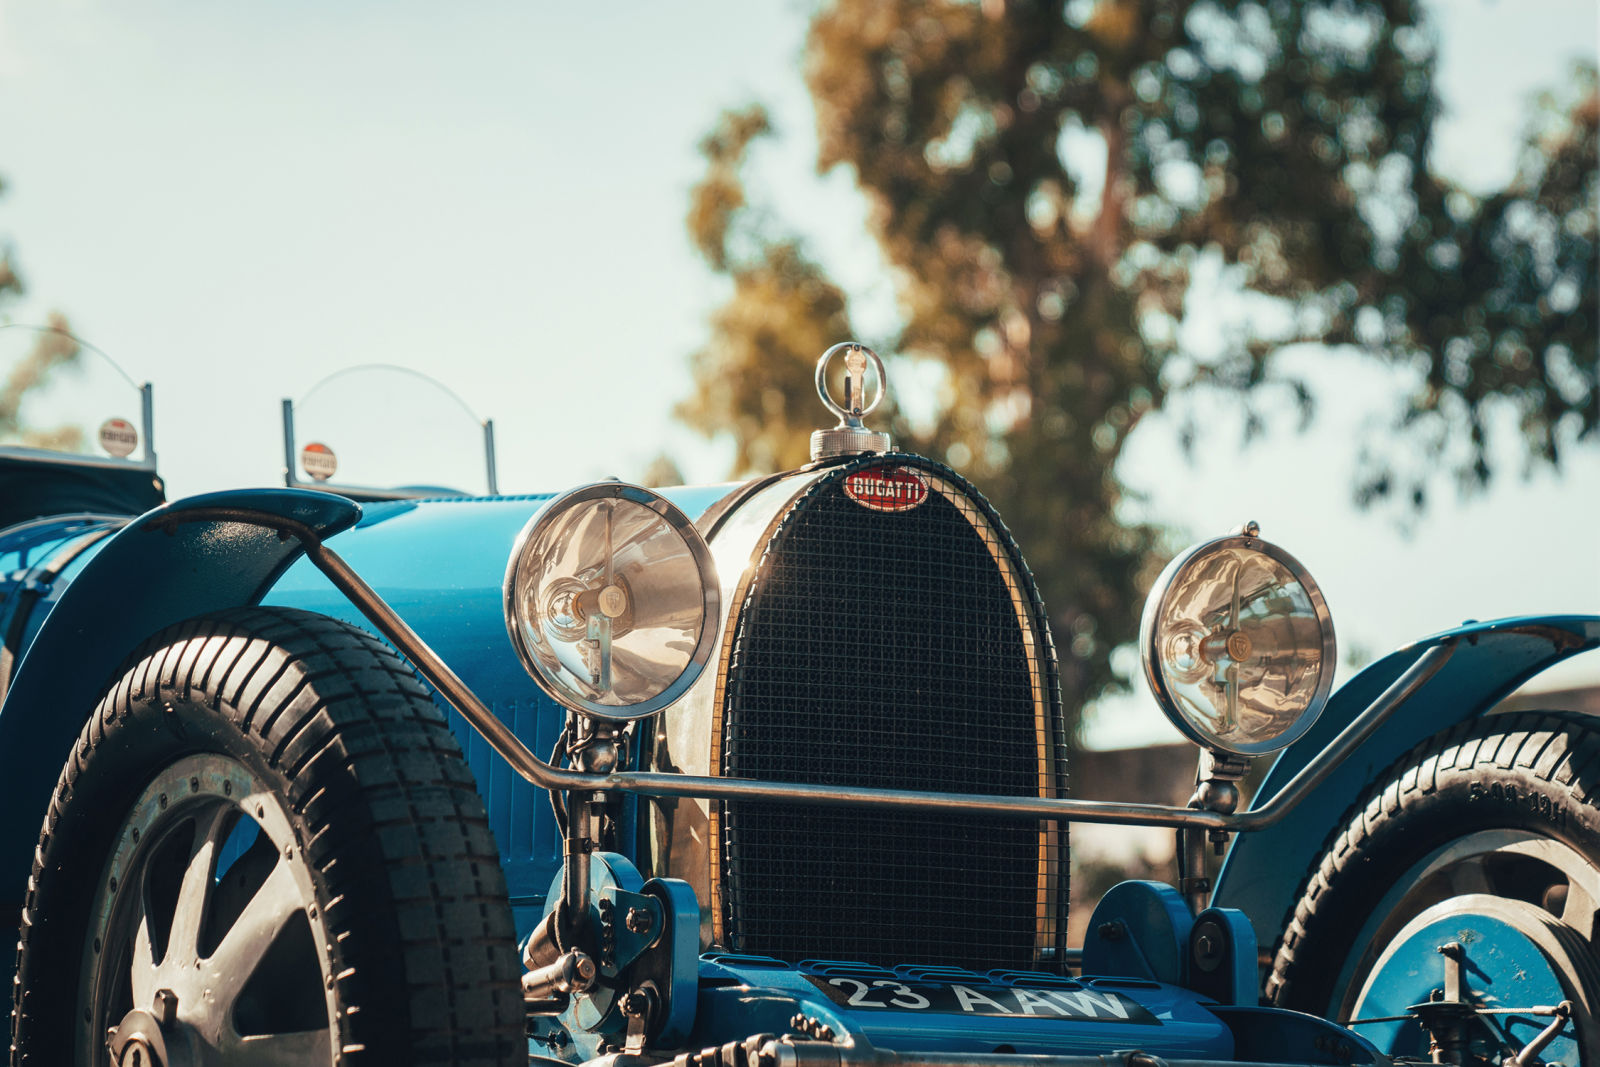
(887,488)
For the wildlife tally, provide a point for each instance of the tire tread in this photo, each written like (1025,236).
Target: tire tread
(388,811)
(1557,748)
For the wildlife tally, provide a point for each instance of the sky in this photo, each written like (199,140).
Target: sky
(236,201)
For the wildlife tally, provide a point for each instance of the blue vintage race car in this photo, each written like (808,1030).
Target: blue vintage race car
(764,775)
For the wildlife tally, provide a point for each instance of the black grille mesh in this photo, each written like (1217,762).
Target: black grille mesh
(884,649)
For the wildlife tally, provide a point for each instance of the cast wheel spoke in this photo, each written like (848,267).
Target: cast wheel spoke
(1470,876)
(142,968)
(1579,910)
(241,949)
(194,893)
(279,1050)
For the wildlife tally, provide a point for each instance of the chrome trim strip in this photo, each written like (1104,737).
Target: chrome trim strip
(795,1052)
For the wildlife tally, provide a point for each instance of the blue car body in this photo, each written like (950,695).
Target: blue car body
(82,594)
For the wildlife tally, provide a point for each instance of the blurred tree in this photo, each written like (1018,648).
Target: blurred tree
(10,284)
(662,470)
(1048,181)
(755,376)
(49,348)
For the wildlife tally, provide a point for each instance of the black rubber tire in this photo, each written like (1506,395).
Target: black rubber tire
(1536,774)
(408,898)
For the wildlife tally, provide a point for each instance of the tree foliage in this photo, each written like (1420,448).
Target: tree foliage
(755,376)
(48,349)
(1047,182)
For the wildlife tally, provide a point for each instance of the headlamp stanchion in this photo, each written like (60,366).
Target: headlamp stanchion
(596,751)
(1216,789)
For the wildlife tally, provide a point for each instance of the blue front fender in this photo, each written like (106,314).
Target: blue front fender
(1264,869)
(160,569)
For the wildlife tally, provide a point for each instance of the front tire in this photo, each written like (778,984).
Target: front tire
(1502,808)
(266,849)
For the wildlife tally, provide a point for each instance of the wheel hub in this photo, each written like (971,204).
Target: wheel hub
(1485,977)
(139,1040)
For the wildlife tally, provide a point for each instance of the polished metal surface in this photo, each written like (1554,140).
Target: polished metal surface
(1238,645)
(611,601)
(1349,739)
(850,436)
(677,831)
(572,972)
(790,1052)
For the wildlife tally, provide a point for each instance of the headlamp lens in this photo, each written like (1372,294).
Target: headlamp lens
(1238,646)
(611,600)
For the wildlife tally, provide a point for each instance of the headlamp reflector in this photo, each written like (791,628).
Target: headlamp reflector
(612,601)
(1238,645)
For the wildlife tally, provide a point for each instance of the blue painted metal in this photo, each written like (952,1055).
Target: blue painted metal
(1232,977)
(31,543)
(1026,1013)
(1264,869)
(37,560)
(592,1017)
(1502,969)
(440,564)
(1139,930)
(138,581)
(1274,1036)
(682,945)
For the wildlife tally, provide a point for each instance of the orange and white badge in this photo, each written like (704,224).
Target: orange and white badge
(118,437)
(319,461)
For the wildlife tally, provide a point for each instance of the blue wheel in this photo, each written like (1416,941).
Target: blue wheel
(1507,956)
(1491,831)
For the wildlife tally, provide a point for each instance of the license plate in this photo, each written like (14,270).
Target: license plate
(887,994)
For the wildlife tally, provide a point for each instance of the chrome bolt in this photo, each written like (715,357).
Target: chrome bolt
(639,920)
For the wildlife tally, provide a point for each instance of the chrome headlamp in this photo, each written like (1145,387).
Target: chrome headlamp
(612,601)
(1238,645)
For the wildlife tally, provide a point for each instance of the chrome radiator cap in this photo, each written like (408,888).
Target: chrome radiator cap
(850,437)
